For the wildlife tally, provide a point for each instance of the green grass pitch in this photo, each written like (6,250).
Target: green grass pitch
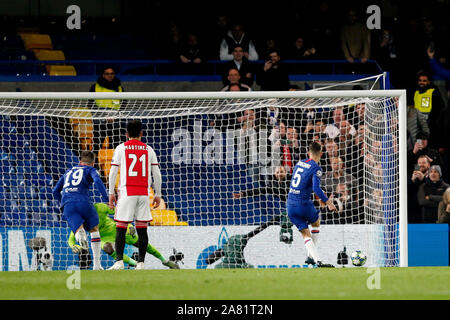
(231,284)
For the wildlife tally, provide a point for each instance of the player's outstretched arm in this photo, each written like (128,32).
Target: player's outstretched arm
(216,255)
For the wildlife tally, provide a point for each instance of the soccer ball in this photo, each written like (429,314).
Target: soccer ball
(47,260)
(358,258)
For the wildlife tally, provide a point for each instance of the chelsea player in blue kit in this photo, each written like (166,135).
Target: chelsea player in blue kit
(306,179)
(78,208)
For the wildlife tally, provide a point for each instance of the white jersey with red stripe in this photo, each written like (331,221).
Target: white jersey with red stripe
(134,159)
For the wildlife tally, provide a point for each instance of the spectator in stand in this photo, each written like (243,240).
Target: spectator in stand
(248,126)
(290,151)
(218,33)
(428,101)
(171,41)
(299,51)
(331,151)
(422,147)
(360,109)
(385,50)
(345,140)
(430,194)
(107,127)
(278,132)
(314,132)
(323,24)
(240,63)
(444,208)
(235,36)
(337,175)
(191,51)
(334,129)
(269,46)
(416,125)
(421,171)
(357,154)
(441,72)
(285,146)
(345,205)
(355,39)
(273,76)
(272,114)
(234,87)
(234,79)
(314,128)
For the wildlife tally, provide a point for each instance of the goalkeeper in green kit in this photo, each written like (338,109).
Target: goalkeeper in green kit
(107,228)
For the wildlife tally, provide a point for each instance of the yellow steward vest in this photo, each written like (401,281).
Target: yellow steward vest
(113,104)
(422,101)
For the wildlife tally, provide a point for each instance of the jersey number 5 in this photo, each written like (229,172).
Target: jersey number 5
(297,178)
(134,159)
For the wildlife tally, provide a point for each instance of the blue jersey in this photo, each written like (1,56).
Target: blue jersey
(74,185)
(305,179)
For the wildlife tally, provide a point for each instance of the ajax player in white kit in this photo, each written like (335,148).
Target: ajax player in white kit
(138,164)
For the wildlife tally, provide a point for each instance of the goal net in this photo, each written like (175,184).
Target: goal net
(226,161)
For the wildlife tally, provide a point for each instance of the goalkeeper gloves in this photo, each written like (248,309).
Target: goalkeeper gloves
(76,248)
(131,230)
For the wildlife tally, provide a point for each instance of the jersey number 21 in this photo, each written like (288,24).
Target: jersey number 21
(134,160)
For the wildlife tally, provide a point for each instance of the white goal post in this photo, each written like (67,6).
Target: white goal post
(211,148)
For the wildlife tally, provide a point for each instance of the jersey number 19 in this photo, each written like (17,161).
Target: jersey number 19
(73,178)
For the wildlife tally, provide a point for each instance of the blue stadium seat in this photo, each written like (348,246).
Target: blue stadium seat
(6,128)
(41,180)
(4,155)
(34,219)
(6,167)
(45,193)
(27,154)
(53,206)
(19,219)
(11,180)
(48,220)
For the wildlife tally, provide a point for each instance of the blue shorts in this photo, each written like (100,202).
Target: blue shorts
(303,214)
(80,213)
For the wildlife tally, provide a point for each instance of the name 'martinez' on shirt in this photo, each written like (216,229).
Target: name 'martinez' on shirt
(135,147)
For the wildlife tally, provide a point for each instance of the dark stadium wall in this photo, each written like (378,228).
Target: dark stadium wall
(73,86)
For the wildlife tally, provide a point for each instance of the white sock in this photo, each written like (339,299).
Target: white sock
(315,237)
(315,234)
(96,247)
(312,252)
